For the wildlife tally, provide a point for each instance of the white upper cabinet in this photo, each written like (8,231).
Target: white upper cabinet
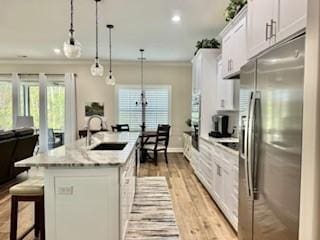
(205,83)
(292,17)
(225,91)
(239,55)
(260,13)
(271,21)
(196,73)
(226,54)
(234,50)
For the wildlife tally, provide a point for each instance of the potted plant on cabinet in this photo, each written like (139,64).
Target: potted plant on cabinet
(234,8)
(206,43)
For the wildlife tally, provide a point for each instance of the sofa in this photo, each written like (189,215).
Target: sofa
(15,145)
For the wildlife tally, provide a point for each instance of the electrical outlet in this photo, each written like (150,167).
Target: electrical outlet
(65,190)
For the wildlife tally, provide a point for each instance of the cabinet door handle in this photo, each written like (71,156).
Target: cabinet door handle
(267,31)
(273,26)
(231,65)
(222,103)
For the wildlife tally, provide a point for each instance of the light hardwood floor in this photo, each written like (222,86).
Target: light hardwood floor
(197,215)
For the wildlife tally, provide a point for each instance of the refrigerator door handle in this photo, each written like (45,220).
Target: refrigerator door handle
(256,132)
(247,147)
(250,143)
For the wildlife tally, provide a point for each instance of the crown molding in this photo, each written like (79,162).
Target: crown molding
(89,62)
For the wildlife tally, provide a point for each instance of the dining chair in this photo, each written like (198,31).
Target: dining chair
(121,128)
(161,143)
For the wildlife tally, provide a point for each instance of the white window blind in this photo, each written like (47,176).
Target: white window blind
(157,110)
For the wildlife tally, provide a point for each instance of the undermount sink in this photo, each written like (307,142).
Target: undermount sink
(109,147)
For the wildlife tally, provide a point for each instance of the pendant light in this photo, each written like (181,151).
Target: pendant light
(71,47)
(110,79)
(97,68)
(143,100)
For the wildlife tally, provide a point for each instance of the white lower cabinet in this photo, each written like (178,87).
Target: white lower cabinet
(217,169)
(195,157)
(187,146)
(127,191)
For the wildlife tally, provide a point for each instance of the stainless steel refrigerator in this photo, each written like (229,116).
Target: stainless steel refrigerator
(271,102)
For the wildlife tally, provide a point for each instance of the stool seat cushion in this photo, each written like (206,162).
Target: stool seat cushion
(32,187)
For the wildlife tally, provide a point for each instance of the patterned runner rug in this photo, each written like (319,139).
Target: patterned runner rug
(152,216)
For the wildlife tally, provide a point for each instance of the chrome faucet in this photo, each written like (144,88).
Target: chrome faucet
(88,127)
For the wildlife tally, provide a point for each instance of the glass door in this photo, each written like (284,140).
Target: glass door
(56,113)
(55,106)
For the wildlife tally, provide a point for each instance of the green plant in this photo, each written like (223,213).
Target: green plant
(234,8)
(206,43)
(188,122)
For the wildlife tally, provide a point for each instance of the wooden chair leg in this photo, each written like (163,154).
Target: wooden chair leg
(156,157)
(166,155)
(37,218)
(42,221)
(14,218)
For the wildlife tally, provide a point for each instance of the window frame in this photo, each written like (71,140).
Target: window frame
(146,86)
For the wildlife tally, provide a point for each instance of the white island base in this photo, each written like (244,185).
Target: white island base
(86,203)
(82,203)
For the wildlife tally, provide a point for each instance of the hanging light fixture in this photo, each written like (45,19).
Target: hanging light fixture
(143,100)
(71,47)
(97,68)
(110,79)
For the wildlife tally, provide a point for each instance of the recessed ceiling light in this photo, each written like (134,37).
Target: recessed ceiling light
(57,51)
(176,18)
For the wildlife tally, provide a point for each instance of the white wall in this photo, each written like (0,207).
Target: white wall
(176,74)
(310,178)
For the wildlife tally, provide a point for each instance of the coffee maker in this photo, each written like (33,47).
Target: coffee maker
(220,126)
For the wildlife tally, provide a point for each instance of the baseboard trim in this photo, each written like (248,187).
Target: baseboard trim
(175,150)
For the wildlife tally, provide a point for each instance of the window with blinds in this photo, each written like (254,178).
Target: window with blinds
(157,110)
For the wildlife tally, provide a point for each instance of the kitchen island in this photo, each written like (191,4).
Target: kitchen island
(89,190)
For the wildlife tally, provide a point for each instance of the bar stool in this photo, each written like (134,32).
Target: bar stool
(31,190)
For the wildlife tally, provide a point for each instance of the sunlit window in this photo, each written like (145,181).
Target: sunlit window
(5,104)
(157,109)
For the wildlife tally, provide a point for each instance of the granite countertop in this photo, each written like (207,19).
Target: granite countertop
(227,149)
(217,141)
(79,155)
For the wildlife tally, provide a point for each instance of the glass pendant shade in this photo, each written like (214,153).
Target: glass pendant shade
(97,69)
(72,48)
(110,79)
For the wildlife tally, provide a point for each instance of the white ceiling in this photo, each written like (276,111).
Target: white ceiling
(35,27)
